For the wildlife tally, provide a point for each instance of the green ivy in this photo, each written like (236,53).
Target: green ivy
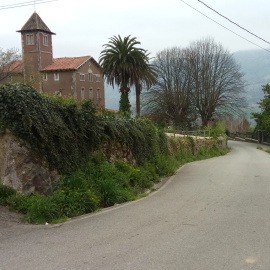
(59,135)
(63,134)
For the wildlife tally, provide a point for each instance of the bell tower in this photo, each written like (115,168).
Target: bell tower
(36,38)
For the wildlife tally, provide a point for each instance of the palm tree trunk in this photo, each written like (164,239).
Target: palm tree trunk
(138,99)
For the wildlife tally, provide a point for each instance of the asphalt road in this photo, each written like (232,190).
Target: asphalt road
(212,215)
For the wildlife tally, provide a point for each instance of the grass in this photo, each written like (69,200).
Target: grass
(98,184)
(263,149)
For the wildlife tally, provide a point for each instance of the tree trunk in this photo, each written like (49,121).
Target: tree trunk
(138,99)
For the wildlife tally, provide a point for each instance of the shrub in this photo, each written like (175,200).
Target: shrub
(41,209)
(74,202)
(217,130)
(5,193)
(19,202)
(139,178)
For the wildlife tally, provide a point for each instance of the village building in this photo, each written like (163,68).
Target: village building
(80,77)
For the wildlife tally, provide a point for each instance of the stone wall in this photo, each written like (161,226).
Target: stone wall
(114,151)
(19,170)
(199,142)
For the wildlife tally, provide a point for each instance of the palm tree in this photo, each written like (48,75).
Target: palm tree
(125,65)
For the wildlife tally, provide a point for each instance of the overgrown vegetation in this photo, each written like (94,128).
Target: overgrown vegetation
(67,136)
(263,149)
(62,134)
(96,185)
(217,130)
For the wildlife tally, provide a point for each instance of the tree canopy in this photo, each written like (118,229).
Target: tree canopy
(200,81)
(126,65)
(10,63)
(170,97)
(263,118)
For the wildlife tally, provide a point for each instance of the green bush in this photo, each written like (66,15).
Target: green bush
(217,130)
(74,202)
(5,193)
(139,178)
(19,202)
(41,209)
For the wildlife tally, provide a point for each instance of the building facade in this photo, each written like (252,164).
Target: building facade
(80,77)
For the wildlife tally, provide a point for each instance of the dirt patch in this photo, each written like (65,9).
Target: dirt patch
(11,224)
(8,218)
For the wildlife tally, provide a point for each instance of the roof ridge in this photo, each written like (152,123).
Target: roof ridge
(35,23)
(68,57)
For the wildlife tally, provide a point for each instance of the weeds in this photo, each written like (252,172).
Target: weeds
(5,193)
(98,184)
(265,150)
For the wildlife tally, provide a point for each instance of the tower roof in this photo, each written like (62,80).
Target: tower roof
(35,23)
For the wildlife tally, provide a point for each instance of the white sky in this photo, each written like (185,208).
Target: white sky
(83,26)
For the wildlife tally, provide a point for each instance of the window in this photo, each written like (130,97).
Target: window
(91,93)
(45,40)
(98,94)
(82,77)
(45,76)
(56,76)
(97,78)
(82,93)
(29,39)
(90,76)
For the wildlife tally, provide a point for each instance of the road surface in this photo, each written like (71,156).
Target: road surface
(212,215)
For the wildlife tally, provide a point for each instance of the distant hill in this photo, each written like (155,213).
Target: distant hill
(255,64)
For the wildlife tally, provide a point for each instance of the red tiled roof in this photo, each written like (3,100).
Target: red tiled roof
(111,110)
(15,66)
(66,63)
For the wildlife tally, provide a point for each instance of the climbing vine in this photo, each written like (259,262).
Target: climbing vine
(62,134)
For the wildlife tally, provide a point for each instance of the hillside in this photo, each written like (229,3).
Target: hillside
(255,64)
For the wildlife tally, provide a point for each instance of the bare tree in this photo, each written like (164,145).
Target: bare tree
(10,64)
(170,97)
(217,86)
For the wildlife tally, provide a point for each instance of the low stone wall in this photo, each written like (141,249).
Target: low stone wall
(199,142)
(114,151)
(21,171)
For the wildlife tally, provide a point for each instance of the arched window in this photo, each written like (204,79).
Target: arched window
(90,76)
(91,93)
(82,93)
(98,95)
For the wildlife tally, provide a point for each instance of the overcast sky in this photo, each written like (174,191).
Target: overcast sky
(83,26)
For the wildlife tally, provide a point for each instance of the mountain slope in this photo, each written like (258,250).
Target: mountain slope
(255,64)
